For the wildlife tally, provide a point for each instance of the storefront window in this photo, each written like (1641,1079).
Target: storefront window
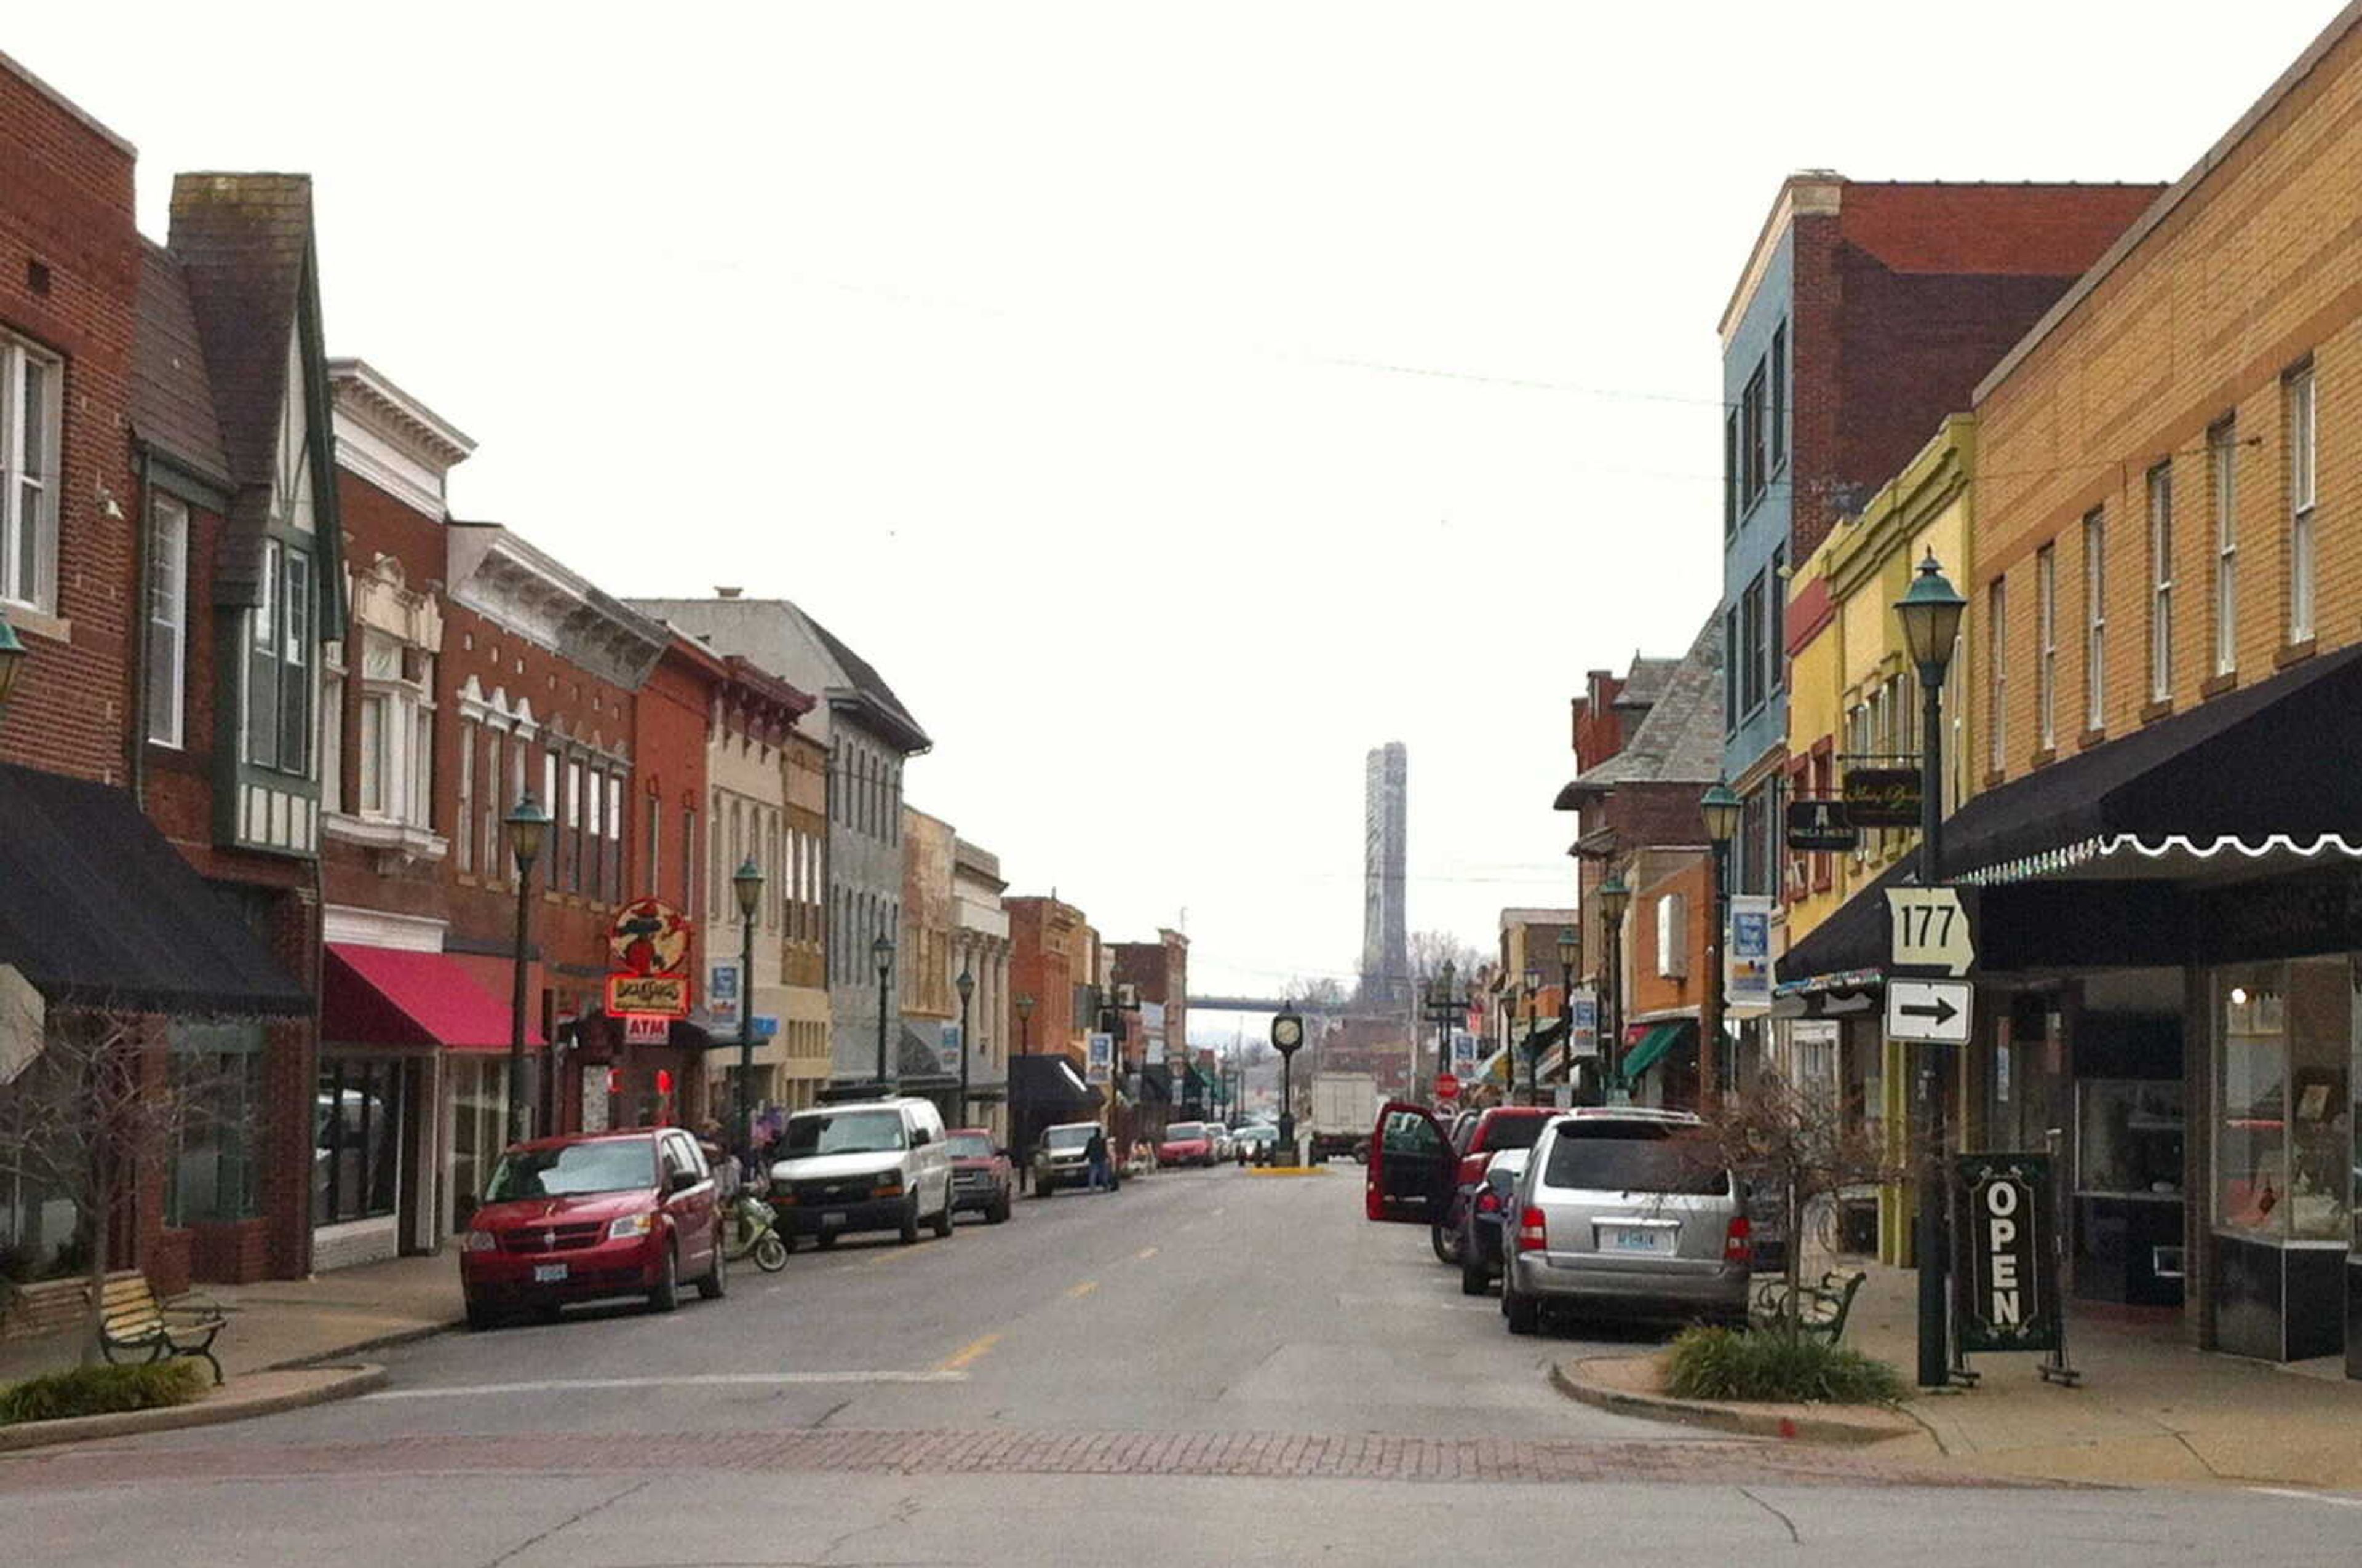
(2129,1138)
(357,1143)
(479,1129)
(2284,1152)
(217,1089)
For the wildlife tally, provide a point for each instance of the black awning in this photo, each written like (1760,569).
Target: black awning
(1853,941)
(98,908)
(1047,1085)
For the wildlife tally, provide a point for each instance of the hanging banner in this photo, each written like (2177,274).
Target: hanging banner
(722,993)
(2008,1285)
(1583,1020)
(1463,1055)
(1747,980)
(1098,1065)
(947,1049)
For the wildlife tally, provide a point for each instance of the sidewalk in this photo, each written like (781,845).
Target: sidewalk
(2150,1409)
(275,1322)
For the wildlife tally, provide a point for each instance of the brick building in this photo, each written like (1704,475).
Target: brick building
(1049,964)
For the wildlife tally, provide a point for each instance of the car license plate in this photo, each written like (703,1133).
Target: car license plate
(829,1222)
(549,1273)
(1637,1239)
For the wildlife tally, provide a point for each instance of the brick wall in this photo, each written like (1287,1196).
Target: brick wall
(2259,266)
(66,208)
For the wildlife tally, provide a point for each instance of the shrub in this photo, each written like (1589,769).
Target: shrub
(101,1390)
(1771,1364)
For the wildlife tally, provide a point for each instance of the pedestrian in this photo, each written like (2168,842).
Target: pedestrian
(1095,1156)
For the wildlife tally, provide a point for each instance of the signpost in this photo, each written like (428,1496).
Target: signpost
(1936,1012)
(1822,826)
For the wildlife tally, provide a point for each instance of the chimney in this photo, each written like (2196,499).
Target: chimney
(728,592)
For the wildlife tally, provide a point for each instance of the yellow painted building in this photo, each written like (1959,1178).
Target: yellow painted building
(1854,701)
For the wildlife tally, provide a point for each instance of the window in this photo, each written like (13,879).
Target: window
(2045,644)
(376,739)
(396,738)
(358,1153)
(1996,672)
(1775,601)
(494,806)
(1730,646)
(2222,463)
(261,719)
(216,1140)
(650,873)
(1779,395)
(594,829)
(296,653)
(573,844)
(466,828)
(1750,647)
(332,738)
(168,621)
(2304,429)
(615,836)
(1754,418)
(2095,620)
(688,858)
(29,384)
(1731,476)
(2160,567)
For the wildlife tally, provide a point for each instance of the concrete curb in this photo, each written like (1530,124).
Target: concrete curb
(1832,1424)
(361,1347)
(1287,1170)
(218,1407)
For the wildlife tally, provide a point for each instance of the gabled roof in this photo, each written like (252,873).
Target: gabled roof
(172,396)
(1681,740)
(244,242)
(865,680)
(1647,681)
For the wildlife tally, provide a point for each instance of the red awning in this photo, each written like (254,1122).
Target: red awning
(384,996)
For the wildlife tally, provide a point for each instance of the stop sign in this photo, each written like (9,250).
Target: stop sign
(1446,1087)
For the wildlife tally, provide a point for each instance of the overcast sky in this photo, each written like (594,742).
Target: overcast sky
(1172,401)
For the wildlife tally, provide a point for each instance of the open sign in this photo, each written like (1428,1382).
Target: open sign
(2009,1289)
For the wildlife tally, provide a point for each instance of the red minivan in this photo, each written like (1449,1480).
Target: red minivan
(589,1216)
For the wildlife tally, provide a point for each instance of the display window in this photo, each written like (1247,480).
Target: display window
(2284,1146)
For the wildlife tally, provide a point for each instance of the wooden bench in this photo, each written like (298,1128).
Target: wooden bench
(1822,1306)
(134,1326)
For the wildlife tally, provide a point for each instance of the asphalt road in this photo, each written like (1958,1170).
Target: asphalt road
(1207,1367)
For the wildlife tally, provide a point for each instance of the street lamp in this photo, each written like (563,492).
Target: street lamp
(966,986)
(1442,1010)
(1614,899)
(1723,812)
(748,883)
(12,659)
(1930,613)
(1025,1048)
(1533,1057)
(1570,947)
(526,825)
(882,952)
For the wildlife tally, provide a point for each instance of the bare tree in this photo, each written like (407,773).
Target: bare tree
(1430,950)
(1325,990)
(102,1093)
(1798,1143)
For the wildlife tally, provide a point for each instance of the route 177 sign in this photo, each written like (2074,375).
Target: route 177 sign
(647,957)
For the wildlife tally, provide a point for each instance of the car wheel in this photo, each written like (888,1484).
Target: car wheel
(1475,1277)
(770,1254)
(944,1220)
(998,1214)
(1041,1188)
(1446,1243)
(480,1317)
(666,1294)
(715,1284)
(909,1231)
(825,1239)
(1525,1314)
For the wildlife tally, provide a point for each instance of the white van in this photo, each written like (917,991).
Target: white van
(871,1165)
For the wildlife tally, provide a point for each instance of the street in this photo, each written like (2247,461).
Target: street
(1207,1367)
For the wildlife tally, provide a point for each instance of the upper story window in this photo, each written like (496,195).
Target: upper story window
(2046,646)
(2095,620)
(2301,417)
(396,733)
(1996,631)
(1750,647)
(1754,435)
(278,689)
(30,383)
(1730,657)
(1731,507)
(168,621)
(2223,466)
(2160,600)
(1779,373)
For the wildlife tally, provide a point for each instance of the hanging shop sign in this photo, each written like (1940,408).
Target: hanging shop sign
(1821,826)
(647,960)
(1746,982)
(2009,1286)
(1882,797)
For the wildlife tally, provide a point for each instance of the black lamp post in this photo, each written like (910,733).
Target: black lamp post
(966,986)
(1930,613)
(1021,1133)
(1723,812)
(526,825)
(1570,947)
(748,884)
(1442,1010)
(1614,899)
(882,950)
(1287,1036)
(1533,978)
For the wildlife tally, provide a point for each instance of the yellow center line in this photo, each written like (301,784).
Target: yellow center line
(974,1351)
(1079,1291)
(1145,1253)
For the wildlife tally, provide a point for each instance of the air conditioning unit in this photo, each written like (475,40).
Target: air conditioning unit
(1673,936)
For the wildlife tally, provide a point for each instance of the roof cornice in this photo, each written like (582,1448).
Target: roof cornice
(1807,193)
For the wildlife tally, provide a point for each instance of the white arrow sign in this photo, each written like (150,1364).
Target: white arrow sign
(1928,929)
(1936,1012)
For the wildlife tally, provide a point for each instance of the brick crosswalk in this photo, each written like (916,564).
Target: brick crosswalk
(992,1450)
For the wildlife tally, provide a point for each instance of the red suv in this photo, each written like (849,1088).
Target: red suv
(1475,1139)
(592,1215)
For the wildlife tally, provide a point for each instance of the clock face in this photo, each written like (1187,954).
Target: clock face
(1287,1033)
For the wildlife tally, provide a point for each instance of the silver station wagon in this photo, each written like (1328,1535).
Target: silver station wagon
(1628,1212)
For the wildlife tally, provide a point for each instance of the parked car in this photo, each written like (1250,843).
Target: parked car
(1626,1211)
(1058,1158)
(1251,1141)
(1482,1218)
(591,1216)
(1475,1139)
(984,1178)
(874,1164)
(1223,1142)
(1185,1144)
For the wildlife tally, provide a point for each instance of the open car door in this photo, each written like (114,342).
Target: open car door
(1411,1166)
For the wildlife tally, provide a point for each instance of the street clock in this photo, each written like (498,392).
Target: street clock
(1287,1033)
